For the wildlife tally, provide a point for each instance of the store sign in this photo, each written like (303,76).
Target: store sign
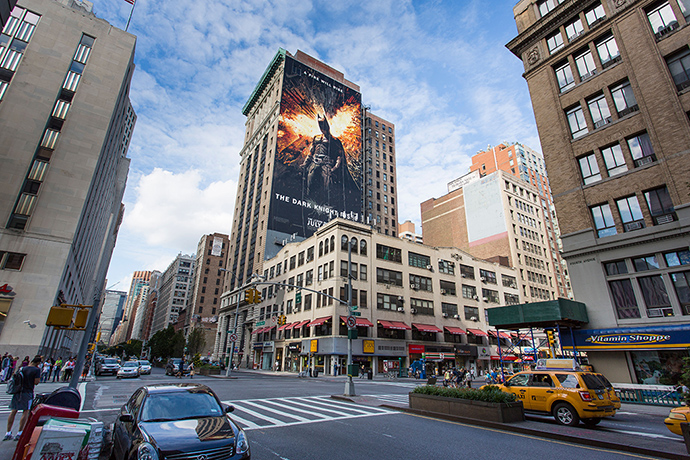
(294,347)
(466,350)
(368,346)
(314,346)
(415,348)
(484,352)
(633,338)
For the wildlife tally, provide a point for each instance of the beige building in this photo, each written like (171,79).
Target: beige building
(608,81)
(65,126)
(415,301)
(407,231)
(497,217)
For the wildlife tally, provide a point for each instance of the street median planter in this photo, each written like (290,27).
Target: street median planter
(209,371)
(500,412)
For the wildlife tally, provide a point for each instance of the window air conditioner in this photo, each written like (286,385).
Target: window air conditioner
(485,299)
(456,316)
(445,315)
(474,318)
(443,292)
(430,268)
(475,297)
(413,310)
(463,275)
(401,309)
(481,278)
(401,298)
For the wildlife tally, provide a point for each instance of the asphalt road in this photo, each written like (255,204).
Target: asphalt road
(289,418)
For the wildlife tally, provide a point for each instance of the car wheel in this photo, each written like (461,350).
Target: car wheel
(565,414)
(591,421)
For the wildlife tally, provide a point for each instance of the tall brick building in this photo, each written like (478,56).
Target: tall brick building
(608,81)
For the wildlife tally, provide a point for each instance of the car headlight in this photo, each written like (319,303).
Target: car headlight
(241,443)
(676,416)
(147,452)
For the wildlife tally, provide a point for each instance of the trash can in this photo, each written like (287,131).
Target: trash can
(370,374)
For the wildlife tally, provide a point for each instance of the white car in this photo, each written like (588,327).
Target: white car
(128,369)
(144,367)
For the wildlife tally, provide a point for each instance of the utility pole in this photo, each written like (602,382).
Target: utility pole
(351,328)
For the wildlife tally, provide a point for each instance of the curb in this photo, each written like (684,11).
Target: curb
(528,431)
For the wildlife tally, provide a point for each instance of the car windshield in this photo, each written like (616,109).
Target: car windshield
(144,363)
(110,361)
(131,364)
(179,405)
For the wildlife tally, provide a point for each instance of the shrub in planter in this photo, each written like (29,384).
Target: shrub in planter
(489,393)
(488,403)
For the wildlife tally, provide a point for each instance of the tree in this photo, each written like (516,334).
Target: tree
(166,343)
(196,341)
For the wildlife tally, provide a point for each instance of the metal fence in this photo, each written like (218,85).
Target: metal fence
(657,397)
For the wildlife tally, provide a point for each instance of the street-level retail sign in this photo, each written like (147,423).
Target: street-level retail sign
(630,338)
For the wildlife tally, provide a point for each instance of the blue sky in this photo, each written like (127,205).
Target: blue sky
(438,70)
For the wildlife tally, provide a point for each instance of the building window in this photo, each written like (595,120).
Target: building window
(420,283)
(645,263)
(469,292)
(363,247)
(595,15)
(11,260)
(447,288)
(679,65)
(446,267)
(576,120)
(471,313)
(418,260)
(467,272)
(362,272)
(554,42)
(624,99)
(511,299)
(641,149)
(547,5)
(677,258)
(574,29)
(682,287)
(631,213)
(449,309)
(608,51)
(599,110)
(655,296)
(388,253)
(660,205)
(421,307)
(388,277)
(662,20)
(624,299)
(617,267)
(589,169)
(386,302)
(614,160)
(564,75)
(509,281)
(487,276)
(586,67)
(603,220)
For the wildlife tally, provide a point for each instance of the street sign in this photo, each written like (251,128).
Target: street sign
(232,337)
(356,313)
(354,307)
(274,319)
(260,323)
(298,297)
(351,321)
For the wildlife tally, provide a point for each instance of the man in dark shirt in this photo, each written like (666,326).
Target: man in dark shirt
(31,375)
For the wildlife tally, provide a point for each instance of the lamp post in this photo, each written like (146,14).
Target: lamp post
(349,384)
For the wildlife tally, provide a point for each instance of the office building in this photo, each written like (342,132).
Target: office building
(498,217)
(64,111)
(528,164)
(608,82)
(415,301)
(174,293)
(6,7)
(311,153)
(111,314)
(407,231)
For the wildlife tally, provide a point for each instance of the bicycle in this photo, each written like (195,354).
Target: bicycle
(392,375)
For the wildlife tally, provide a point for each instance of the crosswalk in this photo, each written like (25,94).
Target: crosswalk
(400,400)
(252,414)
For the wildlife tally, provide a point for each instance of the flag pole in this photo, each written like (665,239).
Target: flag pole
(134,3)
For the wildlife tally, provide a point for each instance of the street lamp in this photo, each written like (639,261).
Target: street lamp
(349,384)
(234,331)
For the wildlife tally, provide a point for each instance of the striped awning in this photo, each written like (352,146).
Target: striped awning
(320,321)
(394,325)
(426,327)
(477,332)
(454,330)
(361,322)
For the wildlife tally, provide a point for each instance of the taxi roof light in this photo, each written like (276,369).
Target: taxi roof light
(557,364)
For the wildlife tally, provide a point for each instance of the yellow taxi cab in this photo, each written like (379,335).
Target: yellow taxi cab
(559,387)
(677,416)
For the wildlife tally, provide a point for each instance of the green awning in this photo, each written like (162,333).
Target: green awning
(561,312)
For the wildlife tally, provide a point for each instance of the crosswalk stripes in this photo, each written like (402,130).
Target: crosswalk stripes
(252,414)
(396,399)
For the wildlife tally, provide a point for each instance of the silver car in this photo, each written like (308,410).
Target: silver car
(128,369)
(144,367)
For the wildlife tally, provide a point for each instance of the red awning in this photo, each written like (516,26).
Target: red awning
(257,331)
(394,325)
(290,325)
(454,330)
(426,327)
(319,321)
(284,326)
(361,322)
(477,332)
(505,358)
(502,334)
(301,324)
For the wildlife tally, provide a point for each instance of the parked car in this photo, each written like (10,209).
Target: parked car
(173,366)
(128,369)
(144,367)
(177,421)
(567,393)
(107,366)
(677,416)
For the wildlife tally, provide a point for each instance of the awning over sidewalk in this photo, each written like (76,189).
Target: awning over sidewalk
(300,324)
(285,326)
(426,327)
(505,358)
(454,330)
(262,329)
(361,322)
(503,335)
(320,321)
(394,325)
(477,332)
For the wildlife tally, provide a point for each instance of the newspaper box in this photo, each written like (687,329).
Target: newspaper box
(64,439)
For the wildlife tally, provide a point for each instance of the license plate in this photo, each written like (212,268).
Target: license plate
(601,396)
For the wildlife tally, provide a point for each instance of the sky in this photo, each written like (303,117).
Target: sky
(437,69)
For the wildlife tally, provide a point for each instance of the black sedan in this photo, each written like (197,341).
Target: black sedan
(181,422)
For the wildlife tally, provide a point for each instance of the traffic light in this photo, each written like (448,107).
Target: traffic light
(282,319)
(551,338)
(249,296)
(257,296)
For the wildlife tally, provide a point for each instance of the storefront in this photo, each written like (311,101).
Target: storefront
(642,355)
(292,363)
(326,353)
(466,356)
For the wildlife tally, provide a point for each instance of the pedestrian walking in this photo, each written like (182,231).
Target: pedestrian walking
(57,368)
(21,401)
(69,368)
(45,370)
(6,363)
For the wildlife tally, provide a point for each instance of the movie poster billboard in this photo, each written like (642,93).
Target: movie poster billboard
(317,173)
